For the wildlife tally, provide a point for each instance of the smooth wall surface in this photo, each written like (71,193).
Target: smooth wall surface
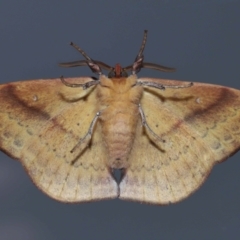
(200,38)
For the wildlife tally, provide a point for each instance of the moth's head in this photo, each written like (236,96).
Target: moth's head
(117,72)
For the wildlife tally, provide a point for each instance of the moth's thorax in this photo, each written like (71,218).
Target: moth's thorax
(119,87)
(118,100)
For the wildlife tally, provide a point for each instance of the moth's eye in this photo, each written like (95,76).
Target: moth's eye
(111,74)
(124,74)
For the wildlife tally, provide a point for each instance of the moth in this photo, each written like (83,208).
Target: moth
(164,136)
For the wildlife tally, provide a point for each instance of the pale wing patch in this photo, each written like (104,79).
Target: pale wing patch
(161,173)
(72,177)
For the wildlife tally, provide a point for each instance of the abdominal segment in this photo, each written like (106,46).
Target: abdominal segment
(118,131)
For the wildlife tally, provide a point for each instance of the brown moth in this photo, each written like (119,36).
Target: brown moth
(164,135)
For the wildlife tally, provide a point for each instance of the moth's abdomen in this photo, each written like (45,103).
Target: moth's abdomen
(119,123)
(118,101)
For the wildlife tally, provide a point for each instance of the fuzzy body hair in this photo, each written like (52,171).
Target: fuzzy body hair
(119,99)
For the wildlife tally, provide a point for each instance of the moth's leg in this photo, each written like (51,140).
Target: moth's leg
(94,66)
(89,132)
(84,85)
(138,63)
(144,123)
(163,87)
(90,62)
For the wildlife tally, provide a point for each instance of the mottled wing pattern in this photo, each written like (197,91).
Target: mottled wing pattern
(200,126)
(40,122)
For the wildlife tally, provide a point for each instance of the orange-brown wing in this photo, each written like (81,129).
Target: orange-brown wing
(200,126)
(40,122)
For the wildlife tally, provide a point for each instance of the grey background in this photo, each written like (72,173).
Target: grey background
(200,38)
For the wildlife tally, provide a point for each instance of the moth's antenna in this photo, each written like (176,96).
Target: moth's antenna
(81,63)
